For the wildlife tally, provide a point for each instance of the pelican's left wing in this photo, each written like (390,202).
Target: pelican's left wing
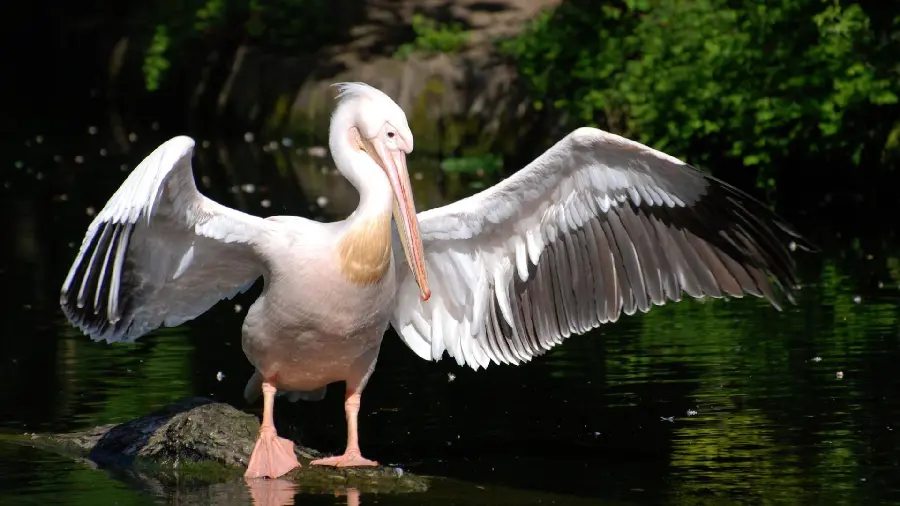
(596,226)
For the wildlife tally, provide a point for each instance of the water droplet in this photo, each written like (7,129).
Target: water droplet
(857,299)
(132,137)
(322,201)
(90,211)
(154,126)
(248,136)
(839,375)
(103,151)
(220,376)
(79,159)
(205,144)
(39,139)
(287,142)
(248,188)
(19,164)
(266,203)
(237,308)
(317,152)
(92,130)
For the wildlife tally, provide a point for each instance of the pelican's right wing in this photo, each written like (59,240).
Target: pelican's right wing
(159,252)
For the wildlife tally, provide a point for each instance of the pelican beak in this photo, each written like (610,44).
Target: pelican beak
(393,161)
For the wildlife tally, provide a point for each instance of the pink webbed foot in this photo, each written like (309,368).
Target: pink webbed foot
(272,456)
(350,458)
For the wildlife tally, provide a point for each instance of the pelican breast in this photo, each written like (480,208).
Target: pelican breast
(365,250)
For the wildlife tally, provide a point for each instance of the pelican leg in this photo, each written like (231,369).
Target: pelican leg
(352,456)
(272,456)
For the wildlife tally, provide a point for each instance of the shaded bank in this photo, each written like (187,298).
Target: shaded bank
(224,74)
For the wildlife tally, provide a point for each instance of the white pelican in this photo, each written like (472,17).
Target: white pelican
(597,226)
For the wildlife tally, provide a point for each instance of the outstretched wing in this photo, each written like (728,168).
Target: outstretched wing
(597,226)
(159,252)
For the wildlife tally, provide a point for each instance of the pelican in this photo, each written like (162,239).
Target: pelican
(597,226)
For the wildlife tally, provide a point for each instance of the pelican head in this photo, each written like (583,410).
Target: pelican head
(367,126)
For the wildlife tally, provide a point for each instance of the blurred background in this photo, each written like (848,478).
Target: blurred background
(795,101)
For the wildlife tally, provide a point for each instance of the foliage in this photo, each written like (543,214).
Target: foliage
(482,168)
(285,26)
(714,80)
(290,25)
(433,37)
(155,62)
(481,165)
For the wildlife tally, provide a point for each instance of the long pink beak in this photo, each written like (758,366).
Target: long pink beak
(394,163)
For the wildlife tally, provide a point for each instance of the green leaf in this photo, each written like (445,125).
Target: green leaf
(751,160)
(884,97)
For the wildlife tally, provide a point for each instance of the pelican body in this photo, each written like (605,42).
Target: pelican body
(597,226)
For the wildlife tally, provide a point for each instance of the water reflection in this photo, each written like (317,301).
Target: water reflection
(281,492)
(726,401)
(276,492)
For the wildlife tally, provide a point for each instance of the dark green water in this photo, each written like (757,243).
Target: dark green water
(710,403)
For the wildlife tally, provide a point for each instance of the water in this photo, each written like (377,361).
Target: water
(726,401)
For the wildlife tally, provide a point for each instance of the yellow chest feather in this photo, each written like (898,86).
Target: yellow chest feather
(365,251)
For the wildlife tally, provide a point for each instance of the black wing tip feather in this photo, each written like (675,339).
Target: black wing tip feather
(86,298)
(799,241)
(750,243)
(775,239)
(95,325)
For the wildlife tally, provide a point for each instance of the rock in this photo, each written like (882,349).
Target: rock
(198,441)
